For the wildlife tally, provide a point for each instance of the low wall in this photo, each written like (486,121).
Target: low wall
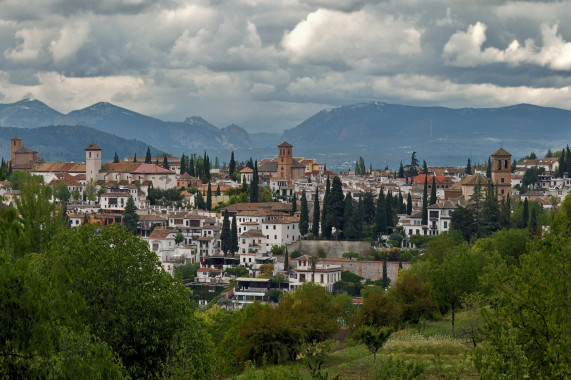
(368,269)
(333,249)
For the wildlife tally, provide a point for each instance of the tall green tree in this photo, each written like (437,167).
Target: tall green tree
(125,295)
(218,190)
(116,158)
(413,169)
(254,185)
(209,197)
(335,205)
(489,169)
(225,234)
(294,204)
(130,216)
(232,165)
(304,215)
(433,198)
(348,218)
(316,213)
(424,221)
(234,246)
(453,278)
(528,335)
(381,220)
(369,207)
(525,219)
(385,277)
(166,163)
(325,227)
(401,171)
(408,204)
(468,170)
(148,158)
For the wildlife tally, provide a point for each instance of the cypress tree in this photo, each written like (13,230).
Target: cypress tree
(316,211)
(9,170)
(116,158)
(533,222)
(234,247)
(368,207)
(254,185)
(325,228)
(335,205)
(165,163)
(232,166)
(348,221)
(294,204)
(218,190)
(304,215)
(489,169)
(389,208)
(135,158)
(424,167)
(359,219)
(286,261)
(191,167)
(402,207)
(401,170)
(225,238)
(130,218)
(209,198)
(525,214)
(424,221)
(409,204)
(433,192)
(381,220)
(469,167)
(148,158)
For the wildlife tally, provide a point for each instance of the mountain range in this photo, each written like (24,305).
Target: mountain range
(381,133)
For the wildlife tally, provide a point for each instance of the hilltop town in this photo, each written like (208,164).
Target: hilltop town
(182,209)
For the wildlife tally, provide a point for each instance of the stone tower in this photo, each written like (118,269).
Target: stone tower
(285,160)
(15,144)
(92,162)
(501,172)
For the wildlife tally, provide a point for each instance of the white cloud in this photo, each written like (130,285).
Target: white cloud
(71,38)
(464,49)
(30,45)
(336,38)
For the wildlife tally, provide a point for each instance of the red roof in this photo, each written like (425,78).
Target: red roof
(420,178)
(246,170)
(151,168)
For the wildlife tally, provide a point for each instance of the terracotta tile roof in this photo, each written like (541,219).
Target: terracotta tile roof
(122,167)
(285,144)
(159,234)
(93,147)
(66,167)
(253,233)
(473,179)
(151,169)
(501,152)
(24,149)
(246,170)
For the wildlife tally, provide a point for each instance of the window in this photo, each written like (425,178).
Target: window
(445,224)
(502,180)
(505,164)
(499,164)
(276,237)
(274,227)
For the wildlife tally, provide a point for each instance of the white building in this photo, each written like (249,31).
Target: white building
(325,274)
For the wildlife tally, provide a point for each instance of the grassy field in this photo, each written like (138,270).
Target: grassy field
(430,344)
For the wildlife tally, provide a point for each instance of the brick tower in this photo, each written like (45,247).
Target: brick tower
(285,160)
(501,172)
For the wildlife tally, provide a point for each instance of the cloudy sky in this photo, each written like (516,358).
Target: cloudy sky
(269,64)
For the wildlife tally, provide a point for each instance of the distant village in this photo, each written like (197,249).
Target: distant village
(271,243)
